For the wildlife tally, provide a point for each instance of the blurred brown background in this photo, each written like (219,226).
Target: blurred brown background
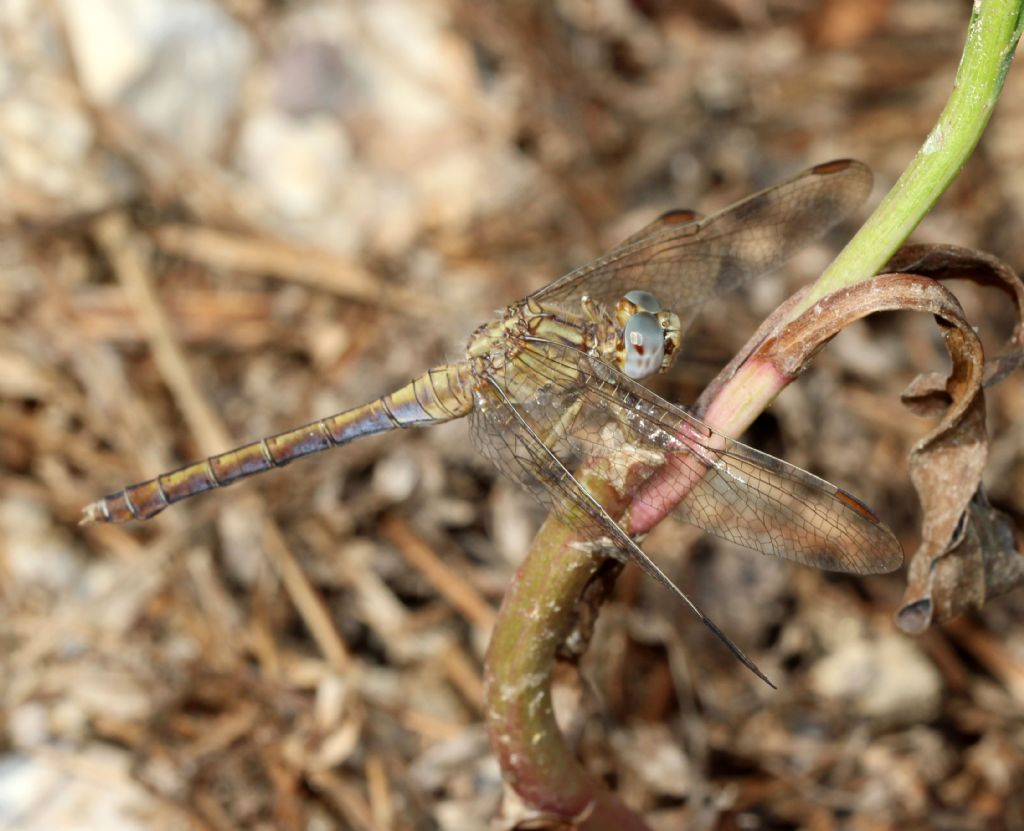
(221,219)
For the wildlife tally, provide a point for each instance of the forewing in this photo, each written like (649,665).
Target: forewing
(657,452)
(673,220)
(683,262)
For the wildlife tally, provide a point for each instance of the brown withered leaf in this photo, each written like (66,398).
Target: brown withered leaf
(996,535)
(969,551)
(981,562)
(947,262)
(946,467)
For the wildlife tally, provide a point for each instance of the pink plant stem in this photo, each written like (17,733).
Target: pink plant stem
(732,409)
(537,614)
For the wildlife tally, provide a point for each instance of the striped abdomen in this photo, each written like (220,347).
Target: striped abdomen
(439,395)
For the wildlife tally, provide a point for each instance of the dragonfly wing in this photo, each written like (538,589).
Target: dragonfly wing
(670,220)
(683,262)
(658,453)
(507,434)
(500,429)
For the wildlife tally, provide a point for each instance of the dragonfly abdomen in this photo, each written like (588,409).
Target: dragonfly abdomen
(436,396)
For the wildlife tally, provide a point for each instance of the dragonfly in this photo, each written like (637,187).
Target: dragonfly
(553,384)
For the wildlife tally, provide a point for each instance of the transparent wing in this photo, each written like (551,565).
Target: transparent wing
(507,435)
(683,262)
(515,433)
(661,456)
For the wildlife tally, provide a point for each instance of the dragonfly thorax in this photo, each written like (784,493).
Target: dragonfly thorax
(497,344)
(649,336)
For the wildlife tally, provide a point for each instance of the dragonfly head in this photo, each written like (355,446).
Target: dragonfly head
(650,336)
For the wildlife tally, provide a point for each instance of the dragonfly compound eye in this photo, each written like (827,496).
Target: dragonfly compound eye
(643,300)
(644,344)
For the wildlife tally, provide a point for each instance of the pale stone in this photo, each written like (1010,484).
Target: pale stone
(888,680)
(297,162)
(175,65)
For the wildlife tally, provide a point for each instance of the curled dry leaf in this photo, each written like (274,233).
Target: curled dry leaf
(946,467)
(994,534)
(947,262)
(959,566)
(969,551)
(982,561)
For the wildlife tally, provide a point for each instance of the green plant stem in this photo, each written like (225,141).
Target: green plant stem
(540,604)
(992,36)
(536,616)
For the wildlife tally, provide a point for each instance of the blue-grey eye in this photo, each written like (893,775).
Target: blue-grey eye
(644,300)
(645,344)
